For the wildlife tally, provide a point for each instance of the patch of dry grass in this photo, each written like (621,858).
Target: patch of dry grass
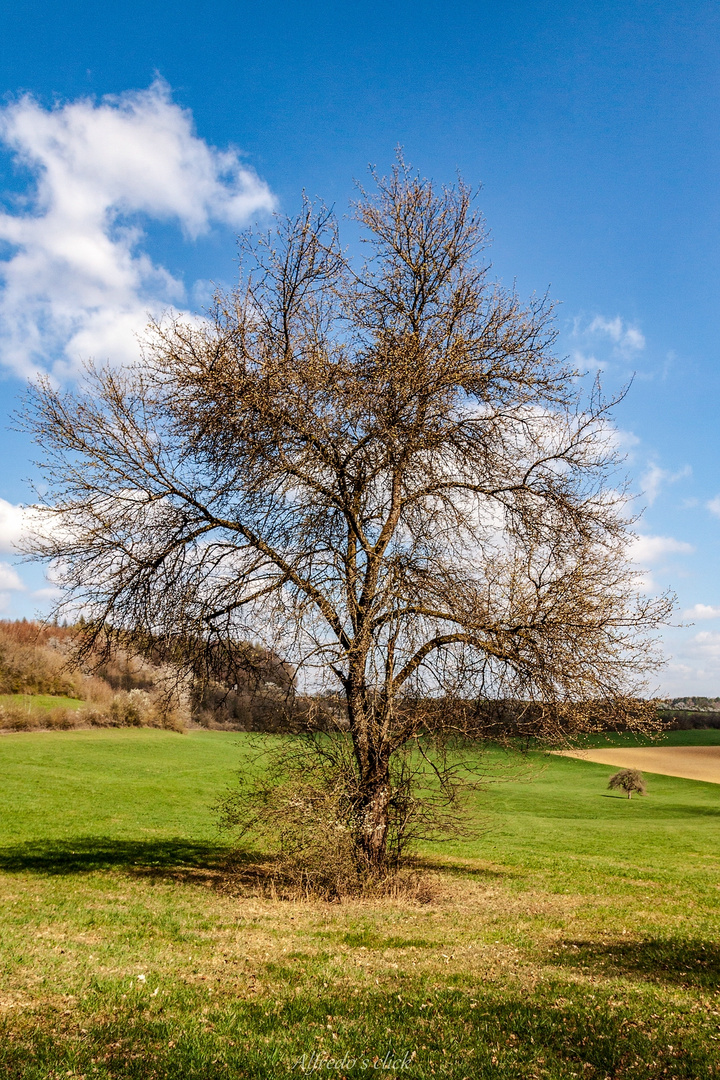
(159,977)
(689,762)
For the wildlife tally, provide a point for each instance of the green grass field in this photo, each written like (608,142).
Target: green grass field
(693,737)
(575,935)
(39,702)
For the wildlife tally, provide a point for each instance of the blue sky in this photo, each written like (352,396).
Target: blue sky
(136,139)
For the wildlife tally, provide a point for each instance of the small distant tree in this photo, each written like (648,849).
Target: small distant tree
(383,473)
(628,780)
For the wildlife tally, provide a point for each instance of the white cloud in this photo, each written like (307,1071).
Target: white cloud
(9,579)
(76,281)
(694,664)
(702,611)
(18,523)
(626,440)
(707,643)
(714,506)
(622,441)
(602,342)
(624,336)
(49,593)
(646,550)
(654,479)
(14,523)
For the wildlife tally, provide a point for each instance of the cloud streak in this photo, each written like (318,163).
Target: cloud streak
(76,281)
(654,479)
(702,611)
(624,336)
(647,551)
(602,342)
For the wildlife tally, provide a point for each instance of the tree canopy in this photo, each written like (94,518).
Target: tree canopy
(380,469)
(628,780)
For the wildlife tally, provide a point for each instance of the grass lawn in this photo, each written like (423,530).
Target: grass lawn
(39,702)
(576,935)
(693,737)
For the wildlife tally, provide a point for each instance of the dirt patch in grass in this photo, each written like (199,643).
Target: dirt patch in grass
(688,762)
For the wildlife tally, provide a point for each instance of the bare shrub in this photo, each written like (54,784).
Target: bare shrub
(123,711)
(95,690)
(301,817)
(175,720)
(34,666)
(124,690)
(61,719)
(95,718)
(130,709)
(306,810)
(139,708)
(14,718)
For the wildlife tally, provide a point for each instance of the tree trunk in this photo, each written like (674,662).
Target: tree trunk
(374,820)
(629,794)
(372,756)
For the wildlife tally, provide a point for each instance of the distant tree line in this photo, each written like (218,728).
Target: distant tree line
(246,689)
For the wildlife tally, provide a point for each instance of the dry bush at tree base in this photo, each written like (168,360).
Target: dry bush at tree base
(306,810)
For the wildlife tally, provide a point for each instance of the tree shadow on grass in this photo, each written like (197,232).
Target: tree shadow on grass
(692,962)
(84,854)
(224,869)
(667,809)
(460,868)
(220,867)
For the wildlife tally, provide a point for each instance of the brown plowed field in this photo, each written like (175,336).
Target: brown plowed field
(690,762)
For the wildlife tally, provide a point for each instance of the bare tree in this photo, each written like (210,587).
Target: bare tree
(382,471)
(628,780)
